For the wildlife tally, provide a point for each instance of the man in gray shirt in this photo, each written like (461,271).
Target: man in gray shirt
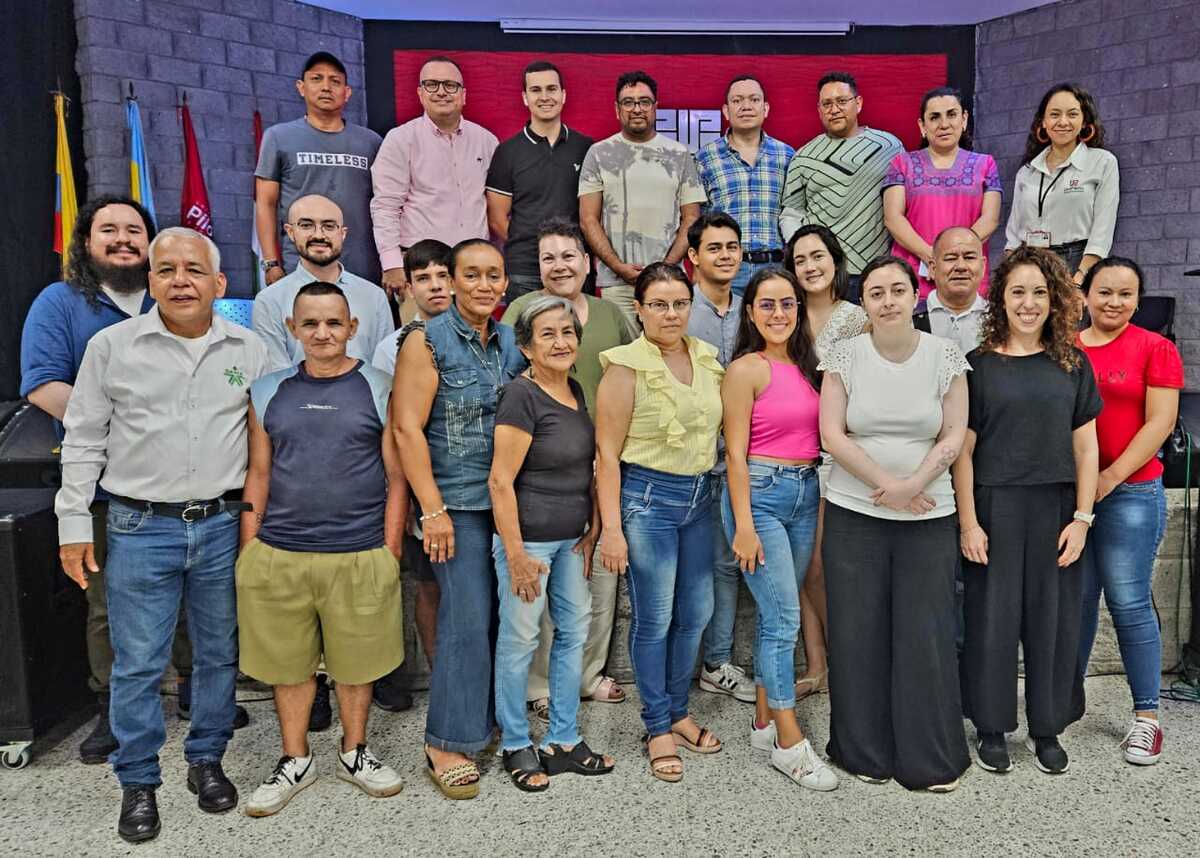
(319,153)
(955,310)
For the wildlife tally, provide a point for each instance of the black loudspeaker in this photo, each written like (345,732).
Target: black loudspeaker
(43,614)
(29,448)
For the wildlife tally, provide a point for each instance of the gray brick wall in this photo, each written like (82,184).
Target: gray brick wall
(1141,61)
(230,57)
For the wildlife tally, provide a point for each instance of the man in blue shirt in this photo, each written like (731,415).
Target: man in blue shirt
(106,283)
(743,174)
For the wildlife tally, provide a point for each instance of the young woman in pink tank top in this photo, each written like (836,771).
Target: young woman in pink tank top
(769,508)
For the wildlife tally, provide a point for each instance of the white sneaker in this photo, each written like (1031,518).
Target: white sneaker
(291,775)
(729,679)
(1143,743)
(363,769)
(762,738)
(802,764)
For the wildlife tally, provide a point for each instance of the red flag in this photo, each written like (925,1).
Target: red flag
(194,210)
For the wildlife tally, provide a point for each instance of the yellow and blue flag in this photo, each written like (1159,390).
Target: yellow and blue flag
(66,206)
(139,165)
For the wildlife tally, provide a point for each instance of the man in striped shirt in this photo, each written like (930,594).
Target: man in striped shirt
(743,176)
(836,178)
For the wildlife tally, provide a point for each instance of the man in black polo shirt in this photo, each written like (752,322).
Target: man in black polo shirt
(534,176)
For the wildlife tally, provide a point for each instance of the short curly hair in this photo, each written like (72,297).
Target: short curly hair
(1066,308)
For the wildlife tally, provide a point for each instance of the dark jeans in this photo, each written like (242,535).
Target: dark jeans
(895,710)
(461,713)
(1022,596)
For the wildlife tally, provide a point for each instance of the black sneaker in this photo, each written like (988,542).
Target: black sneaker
(100,742)
(1048,754)
(993,753)
(390,697)
(321,715)
(183,706)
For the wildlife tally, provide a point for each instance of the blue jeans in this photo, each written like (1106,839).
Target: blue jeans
(745,273)
(717,645)
(666,519)
(153,562)
(520,626)
(784,500)
(1119,560)
(461,714)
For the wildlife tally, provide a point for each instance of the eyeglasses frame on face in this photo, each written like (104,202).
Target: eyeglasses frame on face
(768,305)
(322,227)
(631,103)
(451,87)
(842,102)
(659,308)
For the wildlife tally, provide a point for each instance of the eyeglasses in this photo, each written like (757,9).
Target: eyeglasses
(768,305)
(841,103)
(631,103)
(450,87)
(659,308)
(327,227)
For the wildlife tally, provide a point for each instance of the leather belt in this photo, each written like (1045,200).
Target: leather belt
(758,257)
(189,511)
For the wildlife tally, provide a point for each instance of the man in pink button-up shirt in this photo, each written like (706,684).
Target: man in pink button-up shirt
(429,174)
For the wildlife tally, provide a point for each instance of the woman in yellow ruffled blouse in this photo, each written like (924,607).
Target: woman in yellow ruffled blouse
(658,413)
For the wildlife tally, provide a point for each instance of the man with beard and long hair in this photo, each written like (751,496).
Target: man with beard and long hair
(106,283)
(315,225)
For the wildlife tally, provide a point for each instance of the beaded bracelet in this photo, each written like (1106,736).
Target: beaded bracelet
(432,515)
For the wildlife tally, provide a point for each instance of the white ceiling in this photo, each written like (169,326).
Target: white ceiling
(864,12)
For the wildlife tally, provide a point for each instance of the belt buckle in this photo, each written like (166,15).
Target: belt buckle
(194,506)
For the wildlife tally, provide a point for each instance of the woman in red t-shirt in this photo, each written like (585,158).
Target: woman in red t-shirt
(1139,374)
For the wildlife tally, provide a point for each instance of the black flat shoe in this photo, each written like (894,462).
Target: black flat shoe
(183,707)
(321,715)
(215,792)
(390,698)
(100,742)
(139,815)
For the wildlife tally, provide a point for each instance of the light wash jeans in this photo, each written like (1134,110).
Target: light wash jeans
(570,602)
(717,645)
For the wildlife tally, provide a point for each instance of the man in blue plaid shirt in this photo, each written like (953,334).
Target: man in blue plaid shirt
(743,174)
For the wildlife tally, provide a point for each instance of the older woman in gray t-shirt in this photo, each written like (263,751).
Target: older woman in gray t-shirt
(893,416)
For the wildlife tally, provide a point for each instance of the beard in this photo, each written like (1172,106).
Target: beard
(322,254)
(125,279)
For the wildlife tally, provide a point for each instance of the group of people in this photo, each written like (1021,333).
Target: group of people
(918,466)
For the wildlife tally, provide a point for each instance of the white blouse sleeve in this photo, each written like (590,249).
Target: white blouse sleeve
(951,364)
(839,359)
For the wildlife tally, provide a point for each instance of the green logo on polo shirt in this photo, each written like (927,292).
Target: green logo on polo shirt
(235,377)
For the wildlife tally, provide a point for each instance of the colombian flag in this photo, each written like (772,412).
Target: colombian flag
(139,166)
(65,204)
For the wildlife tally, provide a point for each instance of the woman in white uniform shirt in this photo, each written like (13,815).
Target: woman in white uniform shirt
(1066,192)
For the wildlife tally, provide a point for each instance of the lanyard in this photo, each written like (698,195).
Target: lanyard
(1043,194)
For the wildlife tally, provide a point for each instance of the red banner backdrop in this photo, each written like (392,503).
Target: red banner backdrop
(891,86)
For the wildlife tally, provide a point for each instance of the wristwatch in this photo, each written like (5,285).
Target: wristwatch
(1087,518)
(268,264)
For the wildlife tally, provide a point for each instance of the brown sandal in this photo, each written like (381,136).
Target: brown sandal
(457,782)
(698,746)
(658,764)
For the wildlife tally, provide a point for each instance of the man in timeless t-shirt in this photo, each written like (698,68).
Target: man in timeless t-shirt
(319,153)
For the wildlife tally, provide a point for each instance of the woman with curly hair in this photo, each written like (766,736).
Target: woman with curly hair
(1066,192)
(1025,485)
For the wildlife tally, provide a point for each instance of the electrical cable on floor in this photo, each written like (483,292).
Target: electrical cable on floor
(1180,690)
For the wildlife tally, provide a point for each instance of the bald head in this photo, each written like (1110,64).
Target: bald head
(315,207)
(958,263)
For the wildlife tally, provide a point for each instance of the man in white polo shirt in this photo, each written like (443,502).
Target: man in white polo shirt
(159,408)
(316,227)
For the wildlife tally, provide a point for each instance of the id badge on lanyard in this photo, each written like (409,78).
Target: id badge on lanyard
(1037,237)
(1041,237)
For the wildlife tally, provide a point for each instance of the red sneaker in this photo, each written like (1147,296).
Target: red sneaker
(1143,743)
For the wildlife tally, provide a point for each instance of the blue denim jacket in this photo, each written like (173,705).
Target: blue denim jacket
(463,418)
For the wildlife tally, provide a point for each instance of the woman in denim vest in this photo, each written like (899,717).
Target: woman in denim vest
(448,377)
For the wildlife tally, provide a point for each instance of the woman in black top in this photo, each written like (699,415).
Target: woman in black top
(546,525)
(1025,485)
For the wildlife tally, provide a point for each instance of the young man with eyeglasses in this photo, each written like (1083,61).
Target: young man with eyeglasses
(836,179)
(638,194)
(430,173)
(319,153)
(743,174)
(314,224)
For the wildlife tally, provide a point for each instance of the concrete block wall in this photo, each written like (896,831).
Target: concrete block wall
(1141,61)
(230,57)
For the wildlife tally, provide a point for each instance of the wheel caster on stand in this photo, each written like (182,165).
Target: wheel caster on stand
(15,755)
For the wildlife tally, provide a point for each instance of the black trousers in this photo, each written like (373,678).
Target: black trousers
(893,666)
(1022,595)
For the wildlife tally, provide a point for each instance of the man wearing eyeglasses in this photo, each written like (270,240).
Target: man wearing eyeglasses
(314,224)
(430,173)
(836,179)
(638,194)
(319,153)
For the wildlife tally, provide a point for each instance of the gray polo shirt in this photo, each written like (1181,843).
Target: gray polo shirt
(709,325)
(961,328)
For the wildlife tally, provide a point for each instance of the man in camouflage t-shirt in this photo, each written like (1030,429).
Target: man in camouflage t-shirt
(638,194)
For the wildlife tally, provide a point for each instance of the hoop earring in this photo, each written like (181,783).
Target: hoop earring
(1040,135)
(1087,138)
